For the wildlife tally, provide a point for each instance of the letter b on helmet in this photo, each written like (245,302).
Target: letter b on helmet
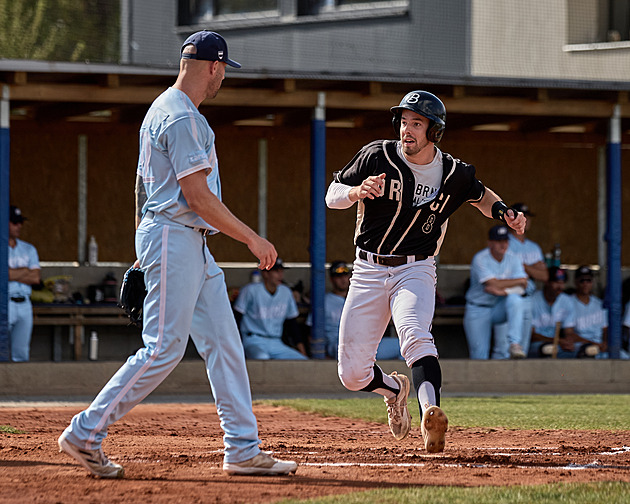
(427,105)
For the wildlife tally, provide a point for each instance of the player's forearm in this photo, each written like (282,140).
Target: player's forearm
(215,213)
(339,196)
(25,275)
(485,205)
(497,286)
(537,271)
(141,198)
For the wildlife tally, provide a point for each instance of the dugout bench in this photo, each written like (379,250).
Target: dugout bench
(77,318)
(80,319)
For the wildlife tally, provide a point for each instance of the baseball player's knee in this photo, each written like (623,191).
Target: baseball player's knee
(354,378)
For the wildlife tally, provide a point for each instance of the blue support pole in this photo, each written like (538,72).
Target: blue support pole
(318,228)
(4,223)
(613,234)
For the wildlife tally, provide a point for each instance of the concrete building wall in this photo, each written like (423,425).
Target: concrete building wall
(426,37)
(537,39)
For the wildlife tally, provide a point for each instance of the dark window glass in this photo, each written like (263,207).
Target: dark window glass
(313,7)
(199,11)
(618,20)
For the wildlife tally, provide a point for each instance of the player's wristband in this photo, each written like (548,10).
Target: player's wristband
(498,210)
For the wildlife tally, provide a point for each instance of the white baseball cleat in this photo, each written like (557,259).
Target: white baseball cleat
(94,461)
(516,351)
(434,426)
(398,416)
(261,464)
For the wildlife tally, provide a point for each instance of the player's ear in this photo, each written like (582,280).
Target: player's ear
(214,67)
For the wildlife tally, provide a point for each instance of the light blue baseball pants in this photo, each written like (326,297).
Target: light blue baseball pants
(186,295)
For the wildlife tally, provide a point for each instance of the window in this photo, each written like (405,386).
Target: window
(193,12)
(618,20)
(313,7)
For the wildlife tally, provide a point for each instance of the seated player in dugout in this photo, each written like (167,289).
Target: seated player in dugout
(405,190)
(266,313)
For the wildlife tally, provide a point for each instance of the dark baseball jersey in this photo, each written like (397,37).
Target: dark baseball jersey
(391,224)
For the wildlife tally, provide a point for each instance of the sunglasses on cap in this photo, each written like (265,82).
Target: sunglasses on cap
(340,270)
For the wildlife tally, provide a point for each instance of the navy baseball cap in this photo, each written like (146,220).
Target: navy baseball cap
(584,271)
(338,268)
(15,215)
(278,265)
(498,233)
(523,208)
(557,274)
(210,47)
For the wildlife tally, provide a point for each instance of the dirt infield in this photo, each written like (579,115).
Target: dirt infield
(173,453)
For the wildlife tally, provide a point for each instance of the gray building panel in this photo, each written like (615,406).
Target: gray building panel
(412,41)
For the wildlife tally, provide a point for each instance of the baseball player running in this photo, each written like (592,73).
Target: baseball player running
(180,199)
(406,190)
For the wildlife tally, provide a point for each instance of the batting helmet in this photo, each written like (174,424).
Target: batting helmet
(427,105)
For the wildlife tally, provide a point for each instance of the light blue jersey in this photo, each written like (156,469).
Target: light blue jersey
(264,313)
(626,316)
(485,267)
(23,255)
(529,253)
(590,319)
(175,141)
(544,317)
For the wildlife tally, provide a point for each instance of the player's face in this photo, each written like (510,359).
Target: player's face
(340,283)
(498,248)
(216,78)
(273,277)
(413,133)
(557,287)
(584,285)
(14,230)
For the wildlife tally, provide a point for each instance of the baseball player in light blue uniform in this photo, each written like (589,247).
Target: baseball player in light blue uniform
(186,292)
(263,316)
(591,318)
(550,306)
(533,260)
(497,284)
(24,271)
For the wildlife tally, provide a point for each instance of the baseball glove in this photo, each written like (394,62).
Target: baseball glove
(132,294)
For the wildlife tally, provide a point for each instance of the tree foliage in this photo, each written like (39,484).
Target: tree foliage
(60,30)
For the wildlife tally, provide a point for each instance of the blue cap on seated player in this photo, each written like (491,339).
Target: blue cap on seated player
(557,274)
(15,215)
(498,233)
(210,47)
(338,268)
(584,273)
(278,265)
(523,208)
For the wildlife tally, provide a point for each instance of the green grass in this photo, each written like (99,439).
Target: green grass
(586,493)
(586,412)
(7,429)
(582,412)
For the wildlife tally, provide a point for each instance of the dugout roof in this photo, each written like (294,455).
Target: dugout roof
(49,91)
